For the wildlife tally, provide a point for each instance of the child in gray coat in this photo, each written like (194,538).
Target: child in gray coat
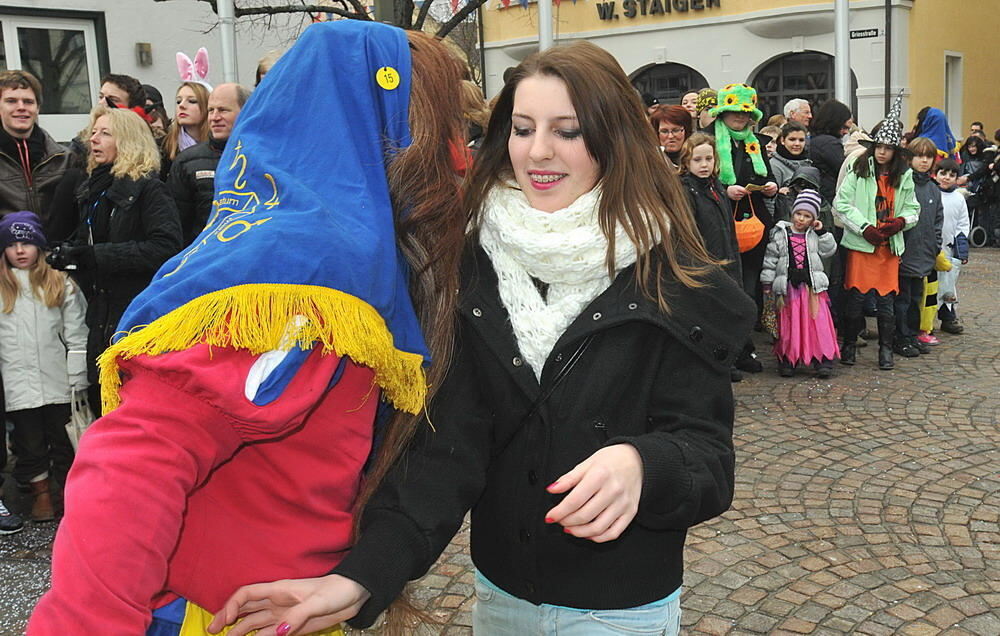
(793,271)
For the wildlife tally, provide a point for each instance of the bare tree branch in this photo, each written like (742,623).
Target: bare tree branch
(459,16)
(305,8)
(418,24)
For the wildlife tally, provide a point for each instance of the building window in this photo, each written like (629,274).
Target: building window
(62,54)
(953,90)
(797,75)
(668,82)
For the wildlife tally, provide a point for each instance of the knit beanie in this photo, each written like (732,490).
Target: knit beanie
(708,98)
(808,201)
(21,227)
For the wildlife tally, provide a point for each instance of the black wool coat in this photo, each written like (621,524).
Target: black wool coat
(192,185)
(713,213)
(657,381)
(143,232)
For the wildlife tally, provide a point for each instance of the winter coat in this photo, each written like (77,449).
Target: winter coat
(784,169)
(827,153)
(854,207)
(659,382)
(745,175)
(42,349)
(956,223)
(143,233)
(924,240)
(192,185)
(783,203)
(49,162)
(713,213)
(819,245)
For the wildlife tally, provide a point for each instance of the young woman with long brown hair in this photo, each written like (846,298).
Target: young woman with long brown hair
(243,392)
(587,416)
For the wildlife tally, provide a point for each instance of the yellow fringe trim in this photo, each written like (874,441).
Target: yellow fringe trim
(265,317)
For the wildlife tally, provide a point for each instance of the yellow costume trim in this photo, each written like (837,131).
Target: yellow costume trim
(929,307)
(269,316)
(196,621)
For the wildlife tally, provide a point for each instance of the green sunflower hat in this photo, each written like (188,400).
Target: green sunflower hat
(737,98)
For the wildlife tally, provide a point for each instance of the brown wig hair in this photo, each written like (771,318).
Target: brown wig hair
(676,115)
(172,141)
(897,166)
(687,151)
(637,193)
(21,79)
(922,147)
(430,230)
(48,285)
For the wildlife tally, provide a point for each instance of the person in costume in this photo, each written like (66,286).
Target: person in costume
(875,204)
(241,396)
(954,243)
(933,124)
(793,270)
(746,174)
(585,426)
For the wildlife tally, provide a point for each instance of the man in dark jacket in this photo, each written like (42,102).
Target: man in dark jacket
(923,243)
(31,162)
(192,176)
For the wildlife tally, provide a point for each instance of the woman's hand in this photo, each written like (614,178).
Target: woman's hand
(604,492)
(287,607)
(770,189)
(736,192)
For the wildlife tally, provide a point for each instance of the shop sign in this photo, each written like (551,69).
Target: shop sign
(633,8)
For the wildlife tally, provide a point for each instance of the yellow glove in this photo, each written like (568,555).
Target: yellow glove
(942,263)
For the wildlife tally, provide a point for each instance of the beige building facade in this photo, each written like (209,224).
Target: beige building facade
(940,54)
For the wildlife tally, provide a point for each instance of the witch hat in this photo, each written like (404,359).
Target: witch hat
(891,132)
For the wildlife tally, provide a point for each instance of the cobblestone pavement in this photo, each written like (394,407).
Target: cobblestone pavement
(868,503)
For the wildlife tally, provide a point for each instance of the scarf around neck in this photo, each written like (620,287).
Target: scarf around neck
(565,249)
(724,137)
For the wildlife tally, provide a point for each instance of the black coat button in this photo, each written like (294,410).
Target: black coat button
(532,477)
(696,334)
(721,353)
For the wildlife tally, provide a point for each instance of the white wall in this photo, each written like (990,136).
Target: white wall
(177,25)
(733,48)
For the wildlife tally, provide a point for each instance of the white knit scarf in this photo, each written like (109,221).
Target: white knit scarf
(565,249)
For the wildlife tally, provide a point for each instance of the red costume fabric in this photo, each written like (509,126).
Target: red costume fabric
(184,489)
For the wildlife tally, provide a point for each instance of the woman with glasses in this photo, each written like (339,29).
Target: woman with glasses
(672,125)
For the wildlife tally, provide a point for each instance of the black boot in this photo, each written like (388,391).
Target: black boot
(886,335)
(852,327)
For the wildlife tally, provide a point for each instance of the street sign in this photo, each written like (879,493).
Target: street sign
(861,34)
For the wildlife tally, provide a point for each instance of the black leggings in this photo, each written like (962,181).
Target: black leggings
(41,442)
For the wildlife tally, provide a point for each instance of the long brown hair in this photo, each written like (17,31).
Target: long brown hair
(637,193)
(430,230)
(172,141)
(48,285)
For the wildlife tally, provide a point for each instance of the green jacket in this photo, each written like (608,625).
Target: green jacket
(854,207)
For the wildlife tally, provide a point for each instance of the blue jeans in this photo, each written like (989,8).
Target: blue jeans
(498,613)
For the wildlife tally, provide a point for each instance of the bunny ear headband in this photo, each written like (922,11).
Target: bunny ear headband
(196,71)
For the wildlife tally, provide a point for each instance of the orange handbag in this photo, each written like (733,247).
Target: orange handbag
(749,229)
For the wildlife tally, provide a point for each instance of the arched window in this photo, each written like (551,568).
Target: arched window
(806,75)
(668,82)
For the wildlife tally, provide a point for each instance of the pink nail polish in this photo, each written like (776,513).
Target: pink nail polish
(549,519)
(283,629)
(552,485)
(566,530)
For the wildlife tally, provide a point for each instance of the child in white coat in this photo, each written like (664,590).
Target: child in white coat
(793,271)
(954,243)
(43,341)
